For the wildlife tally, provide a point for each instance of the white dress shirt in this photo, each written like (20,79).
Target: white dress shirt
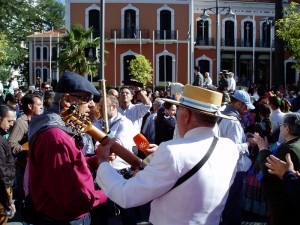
(232,84)
(207,81)
(199,200)
(135,113)
(120,128)
(276,117)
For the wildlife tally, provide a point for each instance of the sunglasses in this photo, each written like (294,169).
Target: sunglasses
(83,98)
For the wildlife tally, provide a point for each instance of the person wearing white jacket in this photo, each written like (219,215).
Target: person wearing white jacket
(201,198)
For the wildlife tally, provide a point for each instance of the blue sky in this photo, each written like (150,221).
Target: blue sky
(62,1)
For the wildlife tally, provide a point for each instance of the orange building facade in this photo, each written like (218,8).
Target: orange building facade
(156,29)
(160,30)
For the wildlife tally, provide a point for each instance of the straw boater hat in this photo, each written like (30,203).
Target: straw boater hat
(202,100)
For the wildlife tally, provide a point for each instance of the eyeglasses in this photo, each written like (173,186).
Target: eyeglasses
(83,98)
(125,92)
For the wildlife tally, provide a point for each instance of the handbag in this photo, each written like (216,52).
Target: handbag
(198,165)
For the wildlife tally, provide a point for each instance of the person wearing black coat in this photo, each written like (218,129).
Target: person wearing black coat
(165,123)
(7,166)
(281,209)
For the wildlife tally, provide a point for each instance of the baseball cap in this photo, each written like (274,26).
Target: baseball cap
(244,97)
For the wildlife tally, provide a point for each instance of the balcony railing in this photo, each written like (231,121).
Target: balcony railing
(165,34)
(205,41)
(130,33)
(244,43)
(227,42)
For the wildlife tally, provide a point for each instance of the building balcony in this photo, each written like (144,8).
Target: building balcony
(259,43)
(165,34)
(246,44)
(130,33)
(205,41)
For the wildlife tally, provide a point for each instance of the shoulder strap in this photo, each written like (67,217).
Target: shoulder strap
(198,165)
(113,123)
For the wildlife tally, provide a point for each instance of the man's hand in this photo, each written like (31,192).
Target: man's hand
(278,167)
(152,148)
(12,209)
(261,143)
(103,152)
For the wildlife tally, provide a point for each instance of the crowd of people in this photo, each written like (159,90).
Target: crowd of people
(247,143)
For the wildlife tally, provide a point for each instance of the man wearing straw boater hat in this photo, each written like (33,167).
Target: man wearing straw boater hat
(196,199)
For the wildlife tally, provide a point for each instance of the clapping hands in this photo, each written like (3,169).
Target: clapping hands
(278,167)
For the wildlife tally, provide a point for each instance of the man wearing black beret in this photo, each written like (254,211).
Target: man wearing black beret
(60,179)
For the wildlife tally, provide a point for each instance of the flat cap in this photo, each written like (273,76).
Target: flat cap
(72,82)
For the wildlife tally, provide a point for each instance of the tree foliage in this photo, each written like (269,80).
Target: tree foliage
(3,47)
(288,30)
(140,69)
(72,51)
(4,73)
(20,18)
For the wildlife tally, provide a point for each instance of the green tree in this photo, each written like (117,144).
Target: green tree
(4,72)
(141,70)
(50,13)
(3,48)
(72,51)
(288,30)
(19,18)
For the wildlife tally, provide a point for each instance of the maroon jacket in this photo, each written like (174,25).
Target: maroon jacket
(61,184)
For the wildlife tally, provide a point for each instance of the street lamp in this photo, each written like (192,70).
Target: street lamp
(217,10)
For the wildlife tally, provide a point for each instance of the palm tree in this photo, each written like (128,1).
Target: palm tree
(72,51)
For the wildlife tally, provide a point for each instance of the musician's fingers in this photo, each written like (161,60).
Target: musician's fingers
(112,156)
(103,152)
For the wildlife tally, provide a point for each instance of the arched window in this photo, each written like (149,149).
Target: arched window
(125,59)
(37,72)
(165,68)
(130,22)
(45,74)
(229,33)
(94,21)
(206,65)
(202,32)
(45,53)
(266,34)
(54,53)
(290,72)
(248,34)
(126,63)
(38,53)
(165,23)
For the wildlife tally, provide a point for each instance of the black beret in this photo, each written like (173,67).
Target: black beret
(72,82)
